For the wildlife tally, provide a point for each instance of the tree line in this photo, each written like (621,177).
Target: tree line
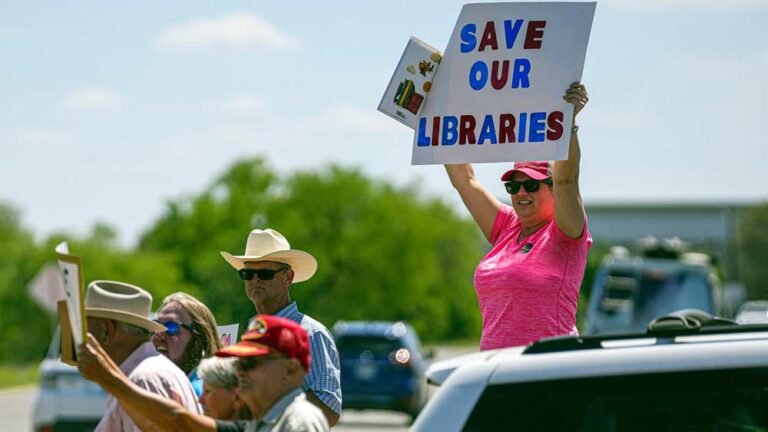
(385,253)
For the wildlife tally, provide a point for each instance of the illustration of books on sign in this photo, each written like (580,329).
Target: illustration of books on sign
(411,82)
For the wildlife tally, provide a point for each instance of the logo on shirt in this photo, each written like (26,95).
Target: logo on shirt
(527,248)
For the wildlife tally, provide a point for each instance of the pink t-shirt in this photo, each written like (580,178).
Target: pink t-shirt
(530,290)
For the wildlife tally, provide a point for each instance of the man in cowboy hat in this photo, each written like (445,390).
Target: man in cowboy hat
(269,267)
(272,360)
(118,318)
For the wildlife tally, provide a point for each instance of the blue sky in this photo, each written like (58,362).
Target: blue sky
(109,109)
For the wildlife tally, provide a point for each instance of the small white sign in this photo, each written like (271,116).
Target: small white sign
(499,94)
(411,83)
(74,291)
(227,334)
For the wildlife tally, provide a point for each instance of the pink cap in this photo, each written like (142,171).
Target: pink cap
(538,170)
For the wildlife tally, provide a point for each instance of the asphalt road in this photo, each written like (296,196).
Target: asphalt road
(16,409)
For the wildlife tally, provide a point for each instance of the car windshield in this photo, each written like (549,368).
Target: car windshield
(360,343)
(723,400)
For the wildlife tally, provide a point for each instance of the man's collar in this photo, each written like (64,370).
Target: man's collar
(289,312)
(277,409)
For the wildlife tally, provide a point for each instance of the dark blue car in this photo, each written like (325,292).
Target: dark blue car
(382,366)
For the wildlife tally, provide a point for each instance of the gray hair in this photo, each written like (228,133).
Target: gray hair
(218,372)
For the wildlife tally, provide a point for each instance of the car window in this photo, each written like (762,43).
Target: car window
(54,349)
(629,303)
(374,344)
(727,400)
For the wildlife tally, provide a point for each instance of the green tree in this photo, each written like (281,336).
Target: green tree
(195,229)
(24,326)
(102,258)
(384,252)
(752,246)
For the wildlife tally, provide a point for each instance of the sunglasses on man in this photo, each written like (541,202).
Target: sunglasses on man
(245,364)
(172,328)
(529,185)
(263,274)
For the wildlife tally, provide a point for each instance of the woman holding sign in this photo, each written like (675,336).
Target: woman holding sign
(528,284)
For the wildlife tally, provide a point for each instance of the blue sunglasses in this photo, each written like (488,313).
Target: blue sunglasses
(173,327)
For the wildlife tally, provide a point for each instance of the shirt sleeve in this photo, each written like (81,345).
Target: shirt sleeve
(586,237)
(324,374)
(231,426)
(505,218)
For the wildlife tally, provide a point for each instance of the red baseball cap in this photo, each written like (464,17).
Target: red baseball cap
(538,170)
(268,334)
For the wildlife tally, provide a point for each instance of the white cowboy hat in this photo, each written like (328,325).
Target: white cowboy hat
(120,302)
(270,245)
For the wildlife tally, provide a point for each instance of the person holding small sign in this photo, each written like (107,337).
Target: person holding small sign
(528,284)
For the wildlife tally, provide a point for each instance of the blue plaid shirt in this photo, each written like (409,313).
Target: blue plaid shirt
(324,377)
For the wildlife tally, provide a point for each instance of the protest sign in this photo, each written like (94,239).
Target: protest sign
(74,291)
(68,350)
(498,95)
(227,334)
(411,82)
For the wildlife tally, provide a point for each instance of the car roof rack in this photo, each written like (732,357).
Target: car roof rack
(687,322)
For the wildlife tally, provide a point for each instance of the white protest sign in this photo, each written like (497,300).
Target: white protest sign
(498,95)
(227,334)
(411,82)
(74,291)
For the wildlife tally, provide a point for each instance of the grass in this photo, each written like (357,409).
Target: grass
(12,375)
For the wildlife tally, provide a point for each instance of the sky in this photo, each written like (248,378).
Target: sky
(110,109)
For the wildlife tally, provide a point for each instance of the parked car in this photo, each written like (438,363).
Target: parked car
(65,401)
(382,366)
(631,290)
(753,312)
(687,372)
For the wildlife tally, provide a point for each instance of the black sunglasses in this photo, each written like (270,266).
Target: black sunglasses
(245,364)
(529,185)
(263,274)
(173,327)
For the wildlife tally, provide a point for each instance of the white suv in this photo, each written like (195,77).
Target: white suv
(687,372)
(65,400)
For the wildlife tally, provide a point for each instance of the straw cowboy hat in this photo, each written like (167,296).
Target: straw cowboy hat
(120,302)
(270,245)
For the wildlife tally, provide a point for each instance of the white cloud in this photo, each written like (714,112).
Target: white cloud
(352,118)
(238,134)
(238,29)
(711,65)
(699,5)
(93,98)
(241,104)
(39,137)
(9,30)
(617,119)
(740,71)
